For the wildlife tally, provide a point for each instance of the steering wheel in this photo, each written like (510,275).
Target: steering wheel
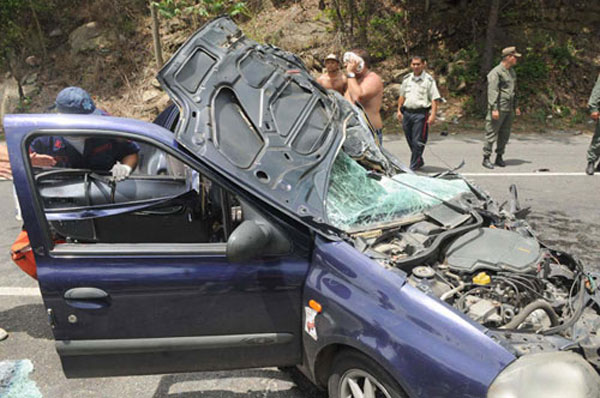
(88,174)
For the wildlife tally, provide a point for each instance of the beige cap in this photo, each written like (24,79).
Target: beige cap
(510,51)
(332,57)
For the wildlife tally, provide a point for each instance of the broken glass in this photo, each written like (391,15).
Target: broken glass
(360,142)
(356,200)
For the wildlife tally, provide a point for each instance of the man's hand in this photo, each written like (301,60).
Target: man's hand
(352,66)
(595,116)
(39,160)
(120,171)
(431,119)
(518,111)
(495,115)
(399,115)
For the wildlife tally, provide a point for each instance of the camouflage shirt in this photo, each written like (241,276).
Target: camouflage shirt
(594,102)
(502,84)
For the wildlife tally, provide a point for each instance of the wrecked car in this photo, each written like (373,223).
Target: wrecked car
(278,233)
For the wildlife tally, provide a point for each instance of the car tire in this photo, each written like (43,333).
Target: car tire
(352,370)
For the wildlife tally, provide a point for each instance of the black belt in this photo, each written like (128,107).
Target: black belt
(416,110)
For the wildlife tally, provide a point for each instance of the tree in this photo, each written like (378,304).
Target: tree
(17,35)
(156,36)
(488,52)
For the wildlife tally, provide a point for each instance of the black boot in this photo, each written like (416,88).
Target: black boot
(499,161)
(598,167)
(486,163)
(589,170)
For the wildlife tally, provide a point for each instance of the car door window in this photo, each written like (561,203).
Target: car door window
(162,200)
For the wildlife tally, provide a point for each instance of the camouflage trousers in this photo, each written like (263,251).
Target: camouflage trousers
(497,132)
(593,152)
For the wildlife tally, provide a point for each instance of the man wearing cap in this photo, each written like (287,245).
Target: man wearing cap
(502,107)
(593,152)
(333,79)
(417,106)
(97,153)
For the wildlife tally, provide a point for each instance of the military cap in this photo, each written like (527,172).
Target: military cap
(510,51)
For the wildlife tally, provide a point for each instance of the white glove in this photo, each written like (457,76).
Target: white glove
(120,171)
(350,56)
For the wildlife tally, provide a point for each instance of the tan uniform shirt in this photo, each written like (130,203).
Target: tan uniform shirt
(419,91)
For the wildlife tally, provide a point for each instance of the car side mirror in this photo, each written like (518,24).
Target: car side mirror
(248,241)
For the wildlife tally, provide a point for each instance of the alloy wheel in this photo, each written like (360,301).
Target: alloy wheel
(356,383)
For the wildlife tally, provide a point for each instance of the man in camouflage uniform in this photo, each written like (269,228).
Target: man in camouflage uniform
(502,107)
(594,150)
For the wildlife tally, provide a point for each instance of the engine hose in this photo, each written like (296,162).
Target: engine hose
(528,309)
(576,315)
(432,250)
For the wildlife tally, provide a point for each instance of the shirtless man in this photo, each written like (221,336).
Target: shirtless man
(366,88)
(334,79)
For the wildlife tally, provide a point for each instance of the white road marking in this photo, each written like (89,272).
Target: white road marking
(19,291)
(534,174)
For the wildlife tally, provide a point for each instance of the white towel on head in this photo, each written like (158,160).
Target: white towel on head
(350,56)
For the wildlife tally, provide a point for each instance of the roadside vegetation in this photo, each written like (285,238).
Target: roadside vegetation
(45,46)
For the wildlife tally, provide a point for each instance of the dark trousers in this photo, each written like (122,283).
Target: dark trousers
(416,130)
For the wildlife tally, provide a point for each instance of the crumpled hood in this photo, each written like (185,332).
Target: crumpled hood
(254,113)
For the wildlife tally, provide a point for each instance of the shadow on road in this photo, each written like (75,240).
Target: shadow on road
(515,162)
(30,318)
(303,388)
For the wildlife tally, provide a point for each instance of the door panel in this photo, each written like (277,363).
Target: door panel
(140,308)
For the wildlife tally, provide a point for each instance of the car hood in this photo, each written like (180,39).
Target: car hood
(254,113)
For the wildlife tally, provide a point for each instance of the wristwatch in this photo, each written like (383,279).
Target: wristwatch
(350,75)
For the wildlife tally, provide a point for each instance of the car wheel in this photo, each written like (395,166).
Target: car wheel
(354,375)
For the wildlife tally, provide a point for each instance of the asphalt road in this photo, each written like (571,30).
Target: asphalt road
(548,170)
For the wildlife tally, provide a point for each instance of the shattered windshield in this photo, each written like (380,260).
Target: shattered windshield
(356,201)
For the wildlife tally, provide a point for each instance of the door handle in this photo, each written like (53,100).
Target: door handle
(86,298)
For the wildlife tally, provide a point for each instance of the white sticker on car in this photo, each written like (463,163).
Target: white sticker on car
(309,322)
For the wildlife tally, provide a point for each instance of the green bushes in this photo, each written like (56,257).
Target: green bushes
(200,8)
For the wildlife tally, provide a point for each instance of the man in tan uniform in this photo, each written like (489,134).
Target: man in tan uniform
(333,79)
(502,107)
(417,107)
(366,88)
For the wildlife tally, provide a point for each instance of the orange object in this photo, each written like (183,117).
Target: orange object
(22,254)
(315,306)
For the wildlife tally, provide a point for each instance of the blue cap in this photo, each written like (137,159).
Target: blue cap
(75,100)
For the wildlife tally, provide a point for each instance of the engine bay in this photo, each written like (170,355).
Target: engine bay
(494,270)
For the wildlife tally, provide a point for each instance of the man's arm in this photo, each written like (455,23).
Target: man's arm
(434,96)
(434,106)
(594,101)
(322,81)
(370,87)
(131,160)
(493,93)
(399,114)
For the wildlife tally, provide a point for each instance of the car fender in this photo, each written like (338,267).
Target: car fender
(415,337)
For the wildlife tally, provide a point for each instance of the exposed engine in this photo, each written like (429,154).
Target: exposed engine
(500,276)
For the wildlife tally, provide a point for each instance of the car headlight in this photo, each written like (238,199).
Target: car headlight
(547,375)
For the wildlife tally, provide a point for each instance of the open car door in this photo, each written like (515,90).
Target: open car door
(135,275)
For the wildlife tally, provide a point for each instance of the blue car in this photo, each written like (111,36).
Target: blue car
(278,233)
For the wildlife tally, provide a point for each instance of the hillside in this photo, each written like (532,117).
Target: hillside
(106,47)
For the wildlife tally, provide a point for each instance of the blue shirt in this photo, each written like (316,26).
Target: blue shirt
(99,153)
